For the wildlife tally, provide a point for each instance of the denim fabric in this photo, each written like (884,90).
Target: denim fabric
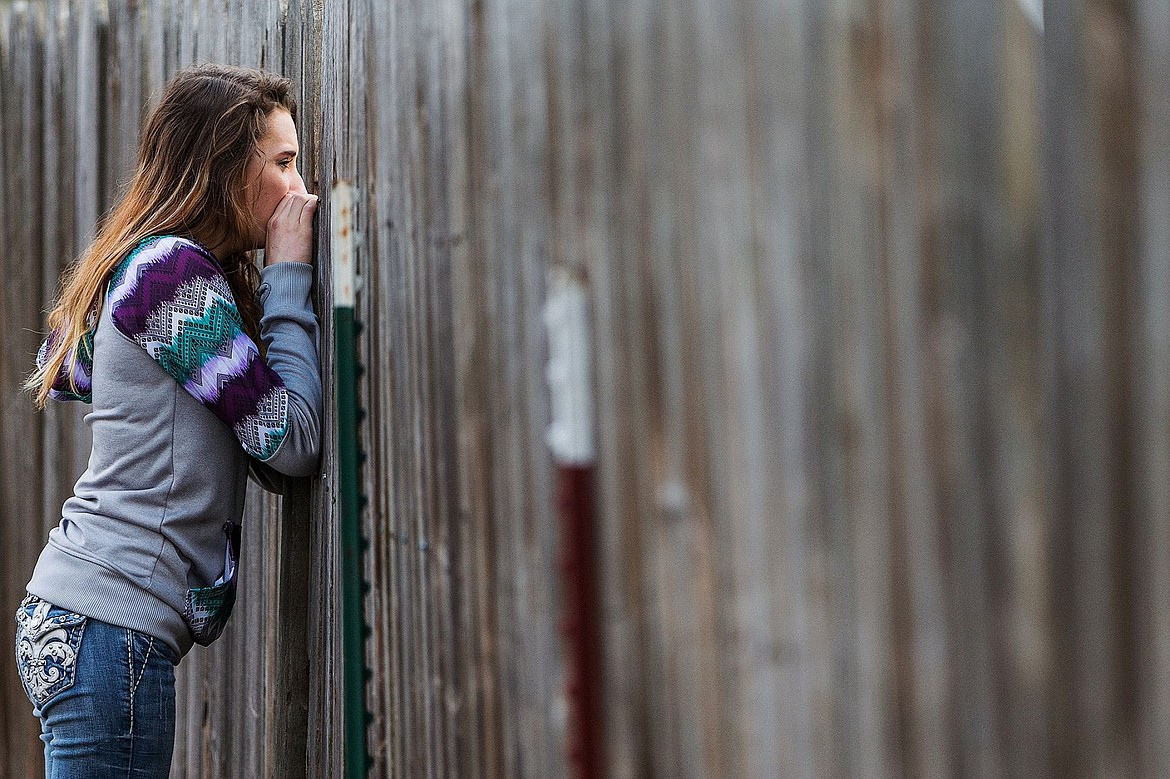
(105,694)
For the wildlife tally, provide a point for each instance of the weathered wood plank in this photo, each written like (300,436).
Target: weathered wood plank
(22,32)
(881,377)
(906,175)
(1151,380)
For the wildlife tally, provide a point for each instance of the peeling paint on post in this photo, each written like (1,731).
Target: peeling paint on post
(570,438)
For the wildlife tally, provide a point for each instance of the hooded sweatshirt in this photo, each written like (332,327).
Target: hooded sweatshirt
(184,410)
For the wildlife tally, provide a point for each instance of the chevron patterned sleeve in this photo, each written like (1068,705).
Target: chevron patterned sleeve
(82,372)
(172,299)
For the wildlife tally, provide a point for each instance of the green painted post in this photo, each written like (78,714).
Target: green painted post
(354,629)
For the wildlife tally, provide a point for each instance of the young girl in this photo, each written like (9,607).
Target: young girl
(201,370)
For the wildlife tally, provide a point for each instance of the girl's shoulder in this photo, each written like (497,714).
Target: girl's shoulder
(168,291)
(162,254)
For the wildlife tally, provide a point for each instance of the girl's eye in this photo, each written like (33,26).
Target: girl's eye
(284,164)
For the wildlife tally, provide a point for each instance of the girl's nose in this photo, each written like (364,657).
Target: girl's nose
(298,185)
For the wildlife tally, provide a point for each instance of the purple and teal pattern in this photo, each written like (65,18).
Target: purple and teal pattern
(81,388)
(171,298)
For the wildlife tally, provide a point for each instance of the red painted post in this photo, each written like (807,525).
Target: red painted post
(581,624)
(570,437)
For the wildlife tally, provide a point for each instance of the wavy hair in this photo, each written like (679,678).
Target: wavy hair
(190,181)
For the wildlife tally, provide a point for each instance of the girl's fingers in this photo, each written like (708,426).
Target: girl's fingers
(290,230)
(283,208)
(294,207)
(308,205)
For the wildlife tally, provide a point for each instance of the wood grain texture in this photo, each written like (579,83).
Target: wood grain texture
(881,377)
(22,49)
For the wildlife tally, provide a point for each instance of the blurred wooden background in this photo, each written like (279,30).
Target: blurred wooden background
(880,328)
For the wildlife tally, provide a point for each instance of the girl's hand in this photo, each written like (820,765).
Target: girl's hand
(290,230)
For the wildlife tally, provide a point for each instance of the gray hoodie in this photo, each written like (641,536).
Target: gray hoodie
(184,409)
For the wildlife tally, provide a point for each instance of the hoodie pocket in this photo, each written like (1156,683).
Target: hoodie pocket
(208,608)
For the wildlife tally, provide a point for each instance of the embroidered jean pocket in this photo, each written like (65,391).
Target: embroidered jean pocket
(48,639)
(208,608)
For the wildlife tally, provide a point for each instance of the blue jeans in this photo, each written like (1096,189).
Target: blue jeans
(105,694)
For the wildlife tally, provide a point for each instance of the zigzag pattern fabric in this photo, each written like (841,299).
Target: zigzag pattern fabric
(81,388)
(171,298)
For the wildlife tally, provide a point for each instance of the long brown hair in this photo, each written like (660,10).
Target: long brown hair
(190,181)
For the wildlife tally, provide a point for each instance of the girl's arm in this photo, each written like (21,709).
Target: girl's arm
(61,389)
(174,301)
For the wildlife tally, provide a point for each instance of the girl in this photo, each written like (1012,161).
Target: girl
(201,370)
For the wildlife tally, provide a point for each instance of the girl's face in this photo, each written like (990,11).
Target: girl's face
(272,172)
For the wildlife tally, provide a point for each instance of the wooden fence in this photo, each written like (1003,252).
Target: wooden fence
(879,321)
